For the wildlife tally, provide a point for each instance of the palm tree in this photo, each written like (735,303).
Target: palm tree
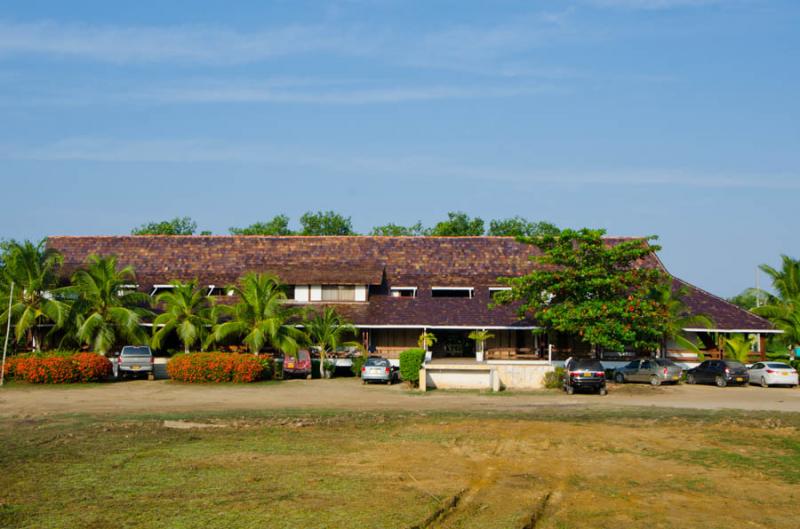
(187,312)
(679,317)
(480,338)
(260,317)
(327,331)
(737,347)
(426,339)
(33,269)
(105,310)
(783,310)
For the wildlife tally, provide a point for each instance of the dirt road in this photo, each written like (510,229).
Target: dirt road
(349,394)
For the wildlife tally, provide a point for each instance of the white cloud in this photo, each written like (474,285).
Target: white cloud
(170,43)
(388,167)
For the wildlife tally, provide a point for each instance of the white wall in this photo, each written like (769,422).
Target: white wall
(361,292)
(301,293)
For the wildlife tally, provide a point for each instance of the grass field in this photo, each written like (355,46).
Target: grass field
(558,468)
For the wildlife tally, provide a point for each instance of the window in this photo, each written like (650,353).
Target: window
(126,289)
(158,289)
(403,292)
(338,293)
(219,291)
(452,292)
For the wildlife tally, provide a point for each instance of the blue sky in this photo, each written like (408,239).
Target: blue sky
(672,117)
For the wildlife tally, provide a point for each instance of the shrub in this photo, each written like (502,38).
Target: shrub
(554,379)
(59,368)
(358,363)
(215,367)
(410,363)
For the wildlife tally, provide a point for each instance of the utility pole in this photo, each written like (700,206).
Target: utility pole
(8,332)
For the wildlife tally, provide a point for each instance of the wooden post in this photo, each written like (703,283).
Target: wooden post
(762,346)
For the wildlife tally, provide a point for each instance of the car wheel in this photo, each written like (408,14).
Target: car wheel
(764,383)
(690,379)
(569,389)
(619,378)
(721,382)
(603,391)
(655,381)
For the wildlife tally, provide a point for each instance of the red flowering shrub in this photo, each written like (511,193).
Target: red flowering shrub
(215,367)
(59,369)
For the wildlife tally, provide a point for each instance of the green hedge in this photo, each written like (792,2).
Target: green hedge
(554,379)
(410,363)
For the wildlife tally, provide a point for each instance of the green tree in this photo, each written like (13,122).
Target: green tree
(325,223)
(458,224)
(749,299)
(33,268)
(583,286)
(279,225)
(737,347)
(261,317)
(395,230)
(187,312)
(327,331)
(679,316)
(426,339)
(783,310)
(480,338)
(520,227)
(176,226)
(106,310)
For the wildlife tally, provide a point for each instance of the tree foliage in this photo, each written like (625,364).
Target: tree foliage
(783,309)
(520,227)
(187,312)
(396,230)
(33,268)
(327,331)
(105,312)
(176,226)
(325,223)
(261,317)
(278,225)
(458,224)
(583,286)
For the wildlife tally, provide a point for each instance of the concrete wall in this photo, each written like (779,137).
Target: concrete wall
(520,376)
(457,379)
(495,375)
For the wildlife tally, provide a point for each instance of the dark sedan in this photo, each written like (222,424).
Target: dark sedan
(720,372)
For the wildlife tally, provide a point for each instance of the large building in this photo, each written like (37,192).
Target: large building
(391,288)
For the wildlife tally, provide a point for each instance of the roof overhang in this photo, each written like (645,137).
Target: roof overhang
(740,331)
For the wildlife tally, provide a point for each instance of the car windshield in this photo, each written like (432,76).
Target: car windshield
(665,363)
(734,365)
(586,365)
(377,362)
(136,351)
(777,365)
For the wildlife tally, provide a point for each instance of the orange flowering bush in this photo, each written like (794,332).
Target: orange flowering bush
(59,368)
(215,367)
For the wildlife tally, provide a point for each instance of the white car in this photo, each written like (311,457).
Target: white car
(773,374)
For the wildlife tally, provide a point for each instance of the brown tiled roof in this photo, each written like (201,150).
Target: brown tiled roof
(381,262)
(724,314)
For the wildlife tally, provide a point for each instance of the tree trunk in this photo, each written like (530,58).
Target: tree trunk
(186,348)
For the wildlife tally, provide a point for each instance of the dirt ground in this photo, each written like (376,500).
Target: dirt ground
(348,394)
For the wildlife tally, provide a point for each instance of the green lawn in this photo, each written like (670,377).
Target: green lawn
(557,469)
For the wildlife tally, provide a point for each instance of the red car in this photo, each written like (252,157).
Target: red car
(297,366)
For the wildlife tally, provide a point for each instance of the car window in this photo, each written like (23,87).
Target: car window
(704,364)
(633,365)
(647,364)
(665,363)
(135,351)
(587,365)
(734,365)
(757,366)
(377,362)
(777,365)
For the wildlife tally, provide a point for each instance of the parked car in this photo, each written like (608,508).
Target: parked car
(584,374)
(133,360)
(378,369)
(720,372)
(773,374)
(656,371)
(297,366)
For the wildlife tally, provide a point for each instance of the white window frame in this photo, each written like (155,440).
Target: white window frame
(398,289)
(471,290)
(211,288)
(157,287)
(123,289)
